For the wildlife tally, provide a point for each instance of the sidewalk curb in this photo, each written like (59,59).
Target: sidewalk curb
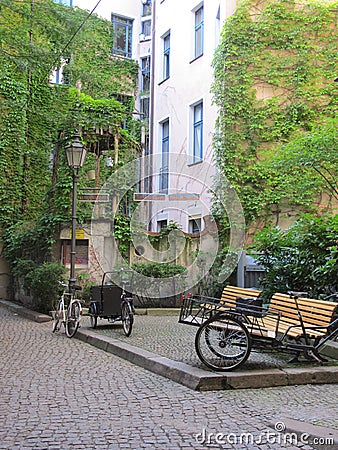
(25,312)
(203,380)
(193,377)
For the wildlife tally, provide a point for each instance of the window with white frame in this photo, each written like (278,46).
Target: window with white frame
(166,56)
(122,36)
(162,225)
(199,32)
(164,169)
(195,225)
(196,153)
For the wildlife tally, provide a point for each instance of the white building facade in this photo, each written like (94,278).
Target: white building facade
(182,114)
(174,43)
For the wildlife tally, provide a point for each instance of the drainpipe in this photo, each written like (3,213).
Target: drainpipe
(152,103)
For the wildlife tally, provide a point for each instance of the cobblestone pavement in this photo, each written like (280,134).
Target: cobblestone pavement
(164,336)
(60,393)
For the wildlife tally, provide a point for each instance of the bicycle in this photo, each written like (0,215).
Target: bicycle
(110,301)
(68,312)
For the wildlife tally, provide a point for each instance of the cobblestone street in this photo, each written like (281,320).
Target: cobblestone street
(60,393)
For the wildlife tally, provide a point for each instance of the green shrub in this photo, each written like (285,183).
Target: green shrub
(158,270)
(43,282)
(303,257)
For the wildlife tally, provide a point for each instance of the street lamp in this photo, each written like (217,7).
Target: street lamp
(76,154)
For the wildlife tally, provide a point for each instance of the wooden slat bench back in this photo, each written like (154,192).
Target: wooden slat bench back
(314,313)
(230,293)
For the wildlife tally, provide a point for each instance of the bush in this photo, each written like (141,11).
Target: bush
(303,257)
(41,282)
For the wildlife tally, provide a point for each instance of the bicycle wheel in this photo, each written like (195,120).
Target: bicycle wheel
(73,318)
(93,315)
(223,343)
(127,318)
(57,317)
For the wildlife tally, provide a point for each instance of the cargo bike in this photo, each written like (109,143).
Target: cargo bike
(230,328)
(112,302)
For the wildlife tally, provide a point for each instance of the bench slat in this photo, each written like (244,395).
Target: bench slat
(314,312)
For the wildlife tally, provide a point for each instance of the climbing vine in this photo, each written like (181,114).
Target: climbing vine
(274,72)
(37,119)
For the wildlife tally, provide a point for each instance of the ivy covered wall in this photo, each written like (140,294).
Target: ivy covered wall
(37,119)
(276,137)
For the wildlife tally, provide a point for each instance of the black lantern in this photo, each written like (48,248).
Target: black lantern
(76,153)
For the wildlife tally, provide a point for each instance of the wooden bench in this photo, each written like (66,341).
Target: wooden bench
(294,314)
(231,293)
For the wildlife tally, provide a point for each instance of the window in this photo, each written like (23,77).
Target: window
(164,170)
(162,225)
(144,107)
(166,56)
(197,133)
(145,74)
(122,34)
(199,25)
(146,10)
(195,225)
(81,252)
(146,28)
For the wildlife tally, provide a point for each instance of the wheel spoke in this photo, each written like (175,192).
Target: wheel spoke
(223,343)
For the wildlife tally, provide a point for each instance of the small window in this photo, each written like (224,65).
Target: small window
(162,225)
(195,225)
(146,28)
(144,107)
(199,32)
(166,56)
(145,74)
(146,10)
(122,36)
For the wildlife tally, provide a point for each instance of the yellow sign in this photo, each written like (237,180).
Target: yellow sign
(79,234)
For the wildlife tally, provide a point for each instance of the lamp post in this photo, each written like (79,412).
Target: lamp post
(76,154)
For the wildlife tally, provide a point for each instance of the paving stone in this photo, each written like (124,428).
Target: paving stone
(60,393)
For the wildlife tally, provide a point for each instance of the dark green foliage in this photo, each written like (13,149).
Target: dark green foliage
(41,281)
(302,258)
(37,120)
(35,117)
(158,270)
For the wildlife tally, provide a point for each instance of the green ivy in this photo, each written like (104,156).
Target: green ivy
(288,50)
